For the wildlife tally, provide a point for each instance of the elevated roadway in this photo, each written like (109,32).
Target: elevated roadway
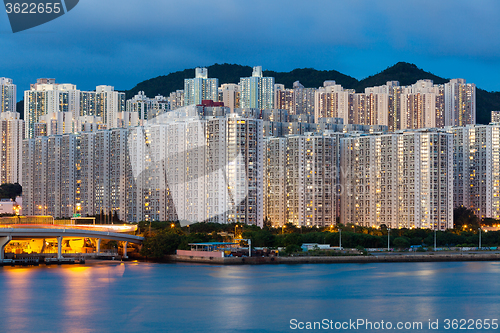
(22,232)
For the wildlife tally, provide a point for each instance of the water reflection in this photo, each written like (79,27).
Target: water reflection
(17,295)
(181,297)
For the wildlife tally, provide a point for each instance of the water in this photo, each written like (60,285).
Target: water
(145,297)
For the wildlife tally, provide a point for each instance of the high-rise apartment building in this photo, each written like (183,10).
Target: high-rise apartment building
(61,106)
(333,101)
(12,131)
(109,103)
(312,162)
(401,180)
(304,99)
(275,181)
(182,168)
(144,108)
(46,98)
(460,103)
(476,169)
(284,99)
(257,91)
(229,94)
(8,93)
(200,88)
(176,99)
(421,105)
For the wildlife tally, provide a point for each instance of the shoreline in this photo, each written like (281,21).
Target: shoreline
(337,259)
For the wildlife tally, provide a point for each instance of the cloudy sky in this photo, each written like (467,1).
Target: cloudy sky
(123,42)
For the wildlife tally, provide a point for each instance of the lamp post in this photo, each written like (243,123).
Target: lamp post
(479,238)
(340,238)
(435,230)
(388,239)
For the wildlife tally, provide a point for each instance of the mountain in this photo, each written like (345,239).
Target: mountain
(407,74)
(403,72)
(485,103)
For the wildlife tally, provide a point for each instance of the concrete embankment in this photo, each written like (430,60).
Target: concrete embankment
(430,257)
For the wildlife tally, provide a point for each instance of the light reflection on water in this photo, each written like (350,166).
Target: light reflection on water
(133,297)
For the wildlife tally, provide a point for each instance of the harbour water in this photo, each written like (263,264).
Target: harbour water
(147,297)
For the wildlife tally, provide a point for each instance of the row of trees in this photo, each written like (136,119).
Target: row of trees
(164,238)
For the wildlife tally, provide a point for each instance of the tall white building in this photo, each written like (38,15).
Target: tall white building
(143,108)
(304,99)
(460,103)
(200,88)
(333,101)
(176,99)
(182,167)
(245,143)
(109,103)
(61,106)
(275,181)
(257,91)
(284,99)
(401,180)
(476,169)
(12,131)
(8,93)
(35,176)
(421,106)
(46,98)
(312,164)
(229,94)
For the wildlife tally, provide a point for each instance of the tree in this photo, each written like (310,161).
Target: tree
(161,244)
(116,219)
(10,191)
(465,218)
(401,242)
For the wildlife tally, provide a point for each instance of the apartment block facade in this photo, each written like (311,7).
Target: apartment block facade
(401,180)
(476,168)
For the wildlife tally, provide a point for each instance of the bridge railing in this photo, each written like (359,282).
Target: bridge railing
(104,228)
(39,219)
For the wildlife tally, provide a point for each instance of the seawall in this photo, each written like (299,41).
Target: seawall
(431,257)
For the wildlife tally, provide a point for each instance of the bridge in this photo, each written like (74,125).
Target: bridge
(23,232)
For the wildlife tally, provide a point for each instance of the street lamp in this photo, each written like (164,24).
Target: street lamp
(340,238)
(435,231)
(388,239)
(479,238)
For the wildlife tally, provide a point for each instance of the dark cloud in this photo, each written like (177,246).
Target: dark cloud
(121,43)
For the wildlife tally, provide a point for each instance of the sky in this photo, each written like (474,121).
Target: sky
(123,42)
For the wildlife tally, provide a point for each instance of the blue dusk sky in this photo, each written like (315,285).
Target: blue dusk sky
(123,42)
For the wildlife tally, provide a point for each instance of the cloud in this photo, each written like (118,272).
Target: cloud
(123,42)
